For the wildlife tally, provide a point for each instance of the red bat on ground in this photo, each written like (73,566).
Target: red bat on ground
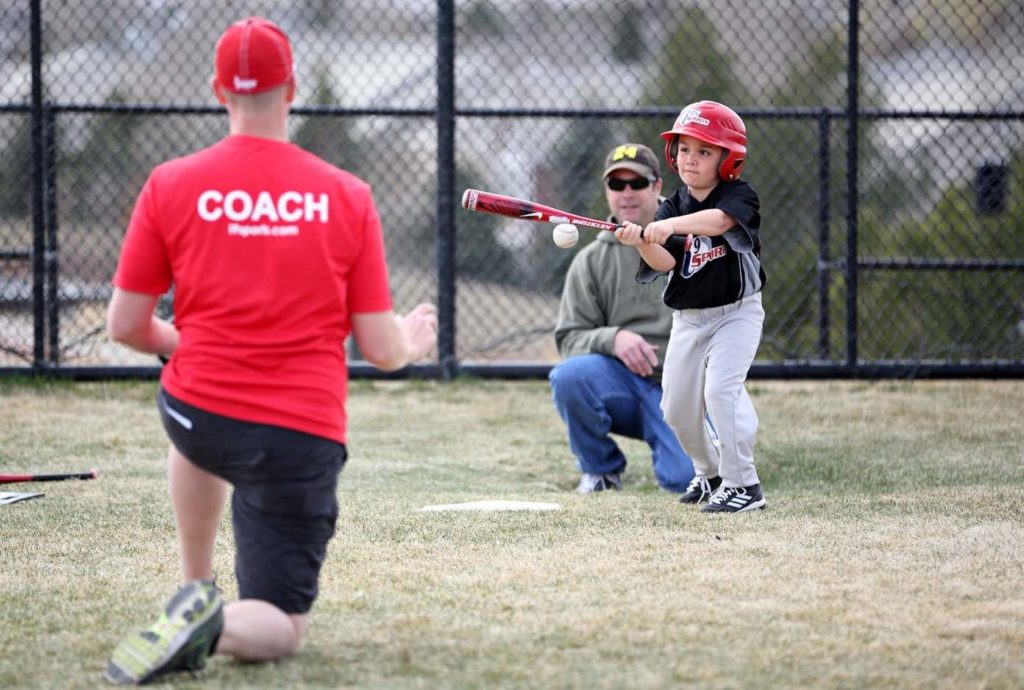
(16,478)
(511,207)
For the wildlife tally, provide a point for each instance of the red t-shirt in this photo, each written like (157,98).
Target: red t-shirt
(270,250)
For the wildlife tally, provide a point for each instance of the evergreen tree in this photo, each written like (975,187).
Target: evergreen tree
(104,165)
(628,43)
(574,170)
(16,172)
(691,66)
(328,136)
(484,20)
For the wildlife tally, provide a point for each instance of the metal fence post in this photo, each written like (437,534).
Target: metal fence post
(51,258)
(852,121)
(38,224)
(446,265)
(824,217)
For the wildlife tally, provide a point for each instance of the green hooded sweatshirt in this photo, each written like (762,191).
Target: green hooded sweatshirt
(601,296)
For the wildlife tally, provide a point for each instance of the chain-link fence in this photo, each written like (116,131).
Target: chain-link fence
(886,144)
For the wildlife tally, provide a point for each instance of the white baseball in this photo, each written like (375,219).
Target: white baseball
(565,235)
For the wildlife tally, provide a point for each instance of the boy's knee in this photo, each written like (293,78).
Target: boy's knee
(721,396)
(677,412)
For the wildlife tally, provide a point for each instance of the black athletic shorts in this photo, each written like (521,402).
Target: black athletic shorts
(284,505)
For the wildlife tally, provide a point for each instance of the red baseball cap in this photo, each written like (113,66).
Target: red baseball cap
(253,55)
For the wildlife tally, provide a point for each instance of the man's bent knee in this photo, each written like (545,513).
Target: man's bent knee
(570,373)
(567,373)
(300,622)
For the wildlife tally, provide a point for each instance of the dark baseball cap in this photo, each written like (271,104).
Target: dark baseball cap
(635,157)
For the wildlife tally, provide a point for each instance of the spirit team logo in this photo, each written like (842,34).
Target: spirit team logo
(699,255)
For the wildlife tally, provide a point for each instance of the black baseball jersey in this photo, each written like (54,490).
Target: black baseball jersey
(716,270)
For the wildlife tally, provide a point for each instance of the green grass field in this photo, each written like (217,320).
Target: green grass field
(891,554)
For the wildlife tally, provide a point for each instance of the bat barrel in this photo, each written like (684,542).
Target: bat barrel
(523,209)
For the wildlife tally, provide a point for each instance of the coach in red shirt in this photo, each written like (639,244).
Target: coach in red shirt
(275,257)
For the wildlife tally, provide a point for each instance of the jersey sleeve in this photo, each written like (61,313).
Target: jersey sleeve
(368,289)
(669,208)
(741,202)
(143,265)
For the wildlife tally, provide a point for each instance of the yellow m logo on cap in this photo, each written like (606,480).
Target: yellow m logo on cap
(624,152)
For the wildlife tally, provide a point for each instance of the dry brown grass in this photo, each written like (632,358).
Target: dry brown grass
(890,555)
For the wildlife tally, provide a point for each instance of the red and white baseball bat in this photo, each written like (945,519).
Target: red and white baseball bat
(16,478)
(511,207)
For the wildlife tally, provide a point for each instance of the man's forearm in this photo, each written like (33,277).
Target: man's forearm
(583,341)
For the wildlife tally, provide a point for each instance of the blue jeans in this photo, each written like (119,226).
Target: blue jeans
(596,395)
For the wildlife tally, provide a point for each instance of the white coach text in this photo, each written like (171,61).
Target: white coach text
(239,206)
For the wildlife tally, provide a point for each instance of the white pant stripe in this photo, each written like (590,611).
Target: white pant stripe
(177,416)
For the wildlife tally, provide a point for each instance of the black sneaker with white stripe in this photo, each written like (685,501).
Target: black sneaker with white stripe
(700,489)
(735,499)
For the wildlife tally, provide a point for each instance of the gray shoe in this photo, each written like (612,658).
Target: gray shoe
(592,483)
(181,640)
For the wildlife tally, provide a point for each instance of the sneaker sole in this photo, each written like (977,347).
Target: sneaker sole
(181,648)
(118,675)
(756,505)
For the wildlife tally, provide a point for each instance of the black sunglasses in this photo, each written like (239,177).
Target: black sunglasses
(617,184)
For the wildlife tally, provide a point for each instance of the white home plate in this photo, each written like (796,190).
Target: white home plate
(491,506)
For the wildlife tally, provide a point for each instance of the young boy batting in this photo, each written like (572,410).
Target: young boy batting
(714,290)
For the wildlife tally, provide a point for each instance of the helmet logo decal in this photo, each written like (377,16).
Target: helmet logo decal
(624,152)
(692,115)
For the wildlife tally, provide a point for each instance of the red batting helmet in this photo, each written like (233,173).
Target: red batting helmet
(715,124)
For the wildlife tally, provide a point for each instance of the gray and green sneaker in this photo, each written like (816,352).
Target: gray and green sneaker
(181,640)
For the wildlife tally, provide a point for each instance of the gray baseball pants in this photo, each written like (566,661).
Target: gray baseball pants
(706,363)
